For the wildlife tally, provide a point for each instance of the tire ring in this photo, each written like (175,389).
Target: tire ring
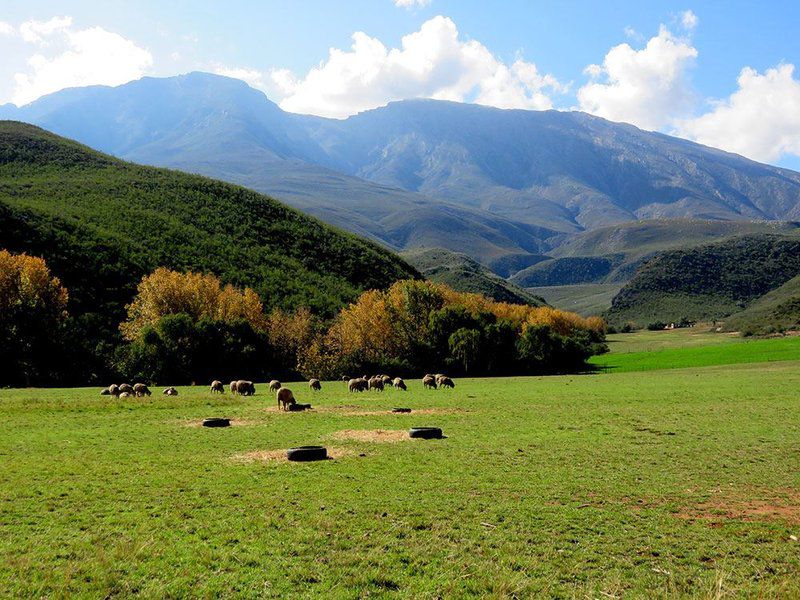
(425,433)
(401,410)
(216,422)
(307,453)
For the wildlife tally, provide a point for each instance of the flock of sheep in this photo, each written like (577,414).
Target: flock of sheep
(285,397)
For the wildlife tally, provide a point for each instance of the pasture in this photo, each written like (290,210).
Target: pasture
(678,483)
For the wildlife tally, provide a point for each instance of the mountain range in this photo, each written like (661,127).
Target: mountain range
(501,186)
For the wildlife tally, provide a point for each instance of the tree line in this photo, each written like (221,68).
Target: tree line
(189,327)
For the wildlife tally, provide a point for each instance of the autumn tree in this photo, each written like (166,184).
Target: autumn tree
(33,308)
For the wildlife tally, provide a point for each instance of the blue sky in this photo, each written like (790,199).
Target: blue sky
(672,67)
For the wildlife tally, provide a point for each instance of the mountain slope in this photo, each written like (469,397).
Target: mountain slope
(707,282)
(55,189)
(466,275)
(488,182)
(777,310)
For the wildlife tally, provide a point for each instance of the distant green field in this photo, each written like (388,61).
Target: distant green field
(675,484)
(585,299)
(695,347)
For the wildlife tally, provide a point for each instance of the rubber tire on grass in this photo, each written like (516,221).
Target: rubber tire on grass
(216,422)
(307,453)
(425,433)
(401,410)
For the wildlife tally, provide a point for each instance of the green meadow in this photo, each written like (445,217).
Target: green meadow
(691,347)
(675,483)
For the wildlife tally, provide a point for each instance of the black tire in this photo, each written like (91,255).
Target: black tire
(216,422)
(401,410)
(425,433)
(307,453)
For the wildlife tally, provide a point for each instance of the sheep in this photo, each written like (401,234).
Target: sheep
(113,389)
(245,388)
(217,386)
(386,380)
(445,382)
(274,385)
(376,383)
(345,378)
(170,391)
(140,389)
(357,385)
(399,384)
(124,395)
(315,384)
(105,392)
(126,387)
(233,386)
(429,382)
(285,398)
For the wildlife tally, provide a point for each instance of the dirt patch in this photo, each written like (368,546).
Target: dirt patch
(280,455)
(717,511)
(389,436)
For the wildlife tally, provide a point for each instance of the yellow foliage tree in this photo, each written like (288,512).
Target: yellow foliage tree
(26,284)
(200,295)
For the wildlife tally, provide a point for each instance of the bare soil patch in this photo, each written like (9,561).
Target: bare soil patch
(746,505)
(280,455)
(389,436)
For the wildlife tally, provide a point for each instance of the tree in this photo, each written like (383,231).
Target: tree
(465,347)
(33,309)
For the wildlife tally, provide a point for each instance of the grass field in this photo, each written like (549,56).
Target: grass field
(691,347)
(682,483)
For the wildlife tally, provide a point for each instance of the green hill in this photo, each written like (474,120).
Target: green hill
(777,310)
(707,282)
(101,224)
(467,275)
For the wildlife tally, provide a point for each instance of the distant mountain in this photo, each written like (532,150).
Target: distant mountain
(464,274)
(487,182)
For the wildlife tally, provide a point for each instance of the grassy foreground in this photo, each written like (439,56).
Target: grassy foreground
(691,347)
(681,483)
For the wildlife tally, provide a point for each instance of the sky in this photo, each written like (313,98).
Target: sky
(720,73)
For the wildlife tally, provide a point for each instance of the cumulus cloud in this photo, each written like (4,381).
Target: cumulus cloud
(689,20)
(6,28)
(69,57)
(760,120)
(411,3)
(431,63)
(646,87)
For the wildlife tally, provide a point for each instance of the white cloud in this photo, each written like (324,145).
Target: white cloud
(760,120)
(252,77)
(689,20)
(646,87)
(6,28)
(411,3)
(431,63)
(70,57)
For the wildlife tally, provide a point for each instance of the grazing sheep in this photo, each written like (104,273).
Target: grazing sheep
(217,386)
(125,395)
(399,384)
(285,398)
(170,391)
(245,388)
(386,380)
(274,385)
(105,392)
(357,385)
(445,382)
(345,378)
(113,389)
(141,389)
(376,383)
(125,387)
(429,381)
(315,385)
(233,386)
